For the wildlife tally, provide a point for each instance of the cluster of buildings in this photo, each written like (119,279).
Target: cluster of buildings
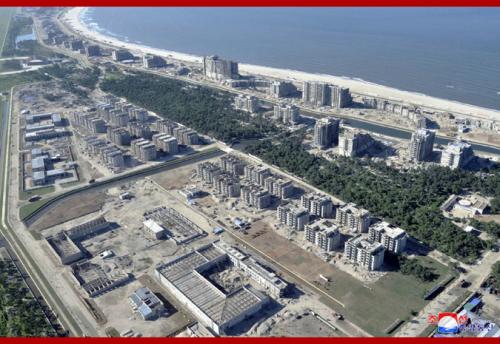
(351,143)
(143,149)
(420,115)
(355,219)
(224,183)
(455,155)
(318,205)
(91,121)
(322,94)
(166,143)
(192,279)
(129,125)
(42,168)
(277,186)
(286,114)
(389,106)
(368,251)
(109,154)
(260,184)
(292,215)
(184,135)
(246,103)
(43,126)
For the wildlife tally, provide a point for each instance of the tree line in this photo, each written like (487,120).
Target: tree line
(204,109)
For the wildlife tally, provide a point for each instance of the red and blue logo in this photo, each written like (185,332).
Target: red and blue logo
(447,322)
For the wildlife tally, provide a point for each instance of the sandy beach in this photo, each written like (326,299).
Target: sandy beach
(72,18)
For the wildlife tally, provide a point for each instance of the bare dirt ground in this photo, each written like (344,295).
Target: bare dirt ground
(71,208)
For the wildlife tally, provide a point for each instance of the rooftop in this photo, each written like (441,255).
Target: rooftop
(185,273)
(389,229)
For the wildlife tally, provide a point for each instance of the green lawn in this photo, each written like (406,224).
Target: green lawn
(40,192)
(374,307)
(5,15)
(28,209)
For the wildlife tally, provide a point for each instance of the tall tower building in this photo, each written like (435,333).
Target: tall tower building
(219,69)
(340,97)
(316,93)
(421,144)
(326,132)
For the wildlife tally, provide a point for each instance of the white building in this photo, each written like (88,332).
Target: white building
(354,218)
(457,154)
(318,205)
(421,144)
(293,216)
(393,238)
(286,113)
(368,255)
(145,303)
(218,69)
(154,229)
(326,132)
(324,234)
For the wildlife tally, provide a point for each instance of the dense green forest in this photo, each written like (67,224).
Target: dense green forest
(495,275)
(413,268)
(410,200)
(73,76)
(206,110)
(491,227)
(20,313)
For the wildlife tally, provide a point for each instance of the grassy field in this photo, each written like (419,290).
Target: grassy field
(5,15)
(394,296)
(28,209)
(40,192)
(372,306)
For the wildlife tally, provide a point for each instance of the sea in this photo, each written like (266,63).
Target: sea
(451,53)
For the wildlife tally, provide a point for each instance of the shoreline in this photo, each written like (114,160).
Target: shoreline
(73,18)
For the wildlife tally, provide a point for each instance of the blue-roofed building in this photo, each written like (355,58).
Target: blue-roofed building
(471,306)
(145,303)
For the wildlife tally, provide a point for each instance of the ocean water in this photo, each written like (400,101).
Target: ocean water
(451,53)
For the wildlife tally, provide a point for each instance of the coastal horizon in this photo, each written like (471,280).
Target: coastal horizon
(358,85)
